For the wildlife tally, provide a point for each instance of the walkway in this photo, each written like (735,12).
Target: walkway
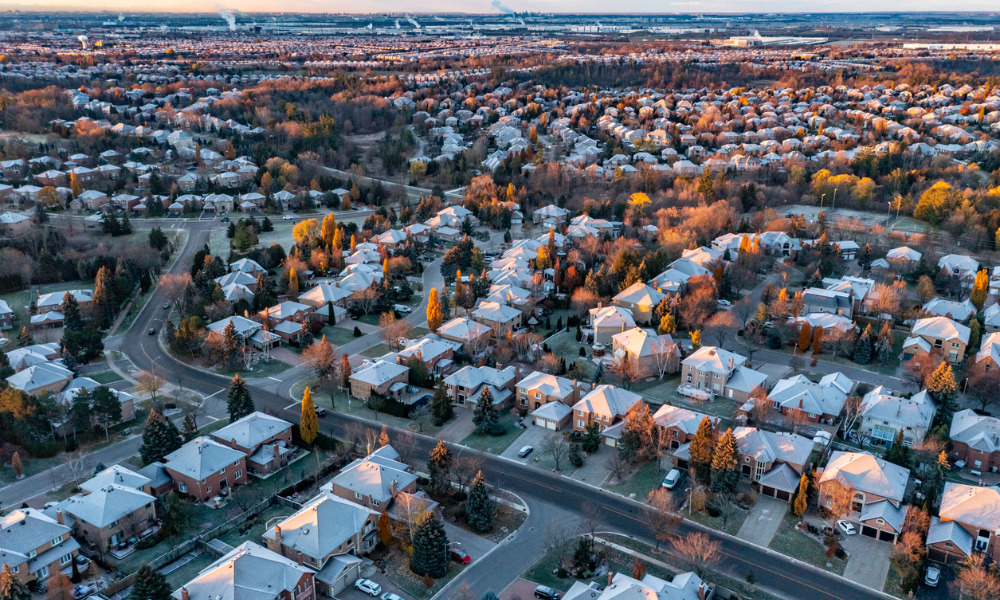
(763,521)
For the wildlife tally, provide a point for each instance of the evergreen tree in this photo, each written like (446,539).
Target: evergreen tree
(441,406)
(899,453)
(106,408)
(943,388)
(79,410)
(5,369)
(149,584)
(863,347)
(230,344)
(309,420)
(240,400)
(701,449)
(480,509)
(190,425)
(430,549)
(725,463)
(159,438)
(11,587)
(72,321)
(157,239)
(104,298)
(801,503)
(974,333)
(485,417)
(439,466)
(591,438)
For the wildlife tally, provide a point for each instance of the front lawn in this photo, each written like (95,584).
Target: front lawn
(545,571)
(338,336)
(792,542)
(396,566)
(261,369)
(639,482)
(495,444)
(105,377)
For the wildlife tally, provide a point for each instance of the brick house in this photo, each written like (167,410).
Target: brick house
(386,378)
(265,440)
(466,384)
(937,334)
(373,481)
(774,461)
(538,389)
(813,402)
(678,425)
(251,570)
(108,515)
(720,372)
(203,467)
(606,405)
(968,521)
(35,545)
(975,441)
(866,478)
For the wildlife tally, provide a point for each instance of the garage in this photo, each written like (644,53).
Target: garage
(887,536)
(869,531)
(775,493)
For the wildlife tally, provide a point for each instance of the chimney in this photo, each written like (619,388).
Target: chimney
(277,533)
(701,592)
(299,558)
(730,364)
(277,451)
(800,402)
(393,488)
(419,355)
(184,594)
(232,443)
(59,517)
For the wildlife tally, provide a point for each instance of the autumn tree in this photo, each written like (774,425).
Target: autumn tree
(702,449)
(308,420)
(943,389)
(801,502)
(725,463)
(434,316)
(805,336)
(980,289)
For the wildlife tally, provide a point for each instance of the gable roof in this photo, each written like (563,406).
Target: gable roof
(941,327)
(769,446)
(117,475)
(322,525)
(639,294)
(608,401)
(715,360)
(107,504)
(979,432)
(247,572)
(252,430)
(824,398)
(978,506)
(550,385)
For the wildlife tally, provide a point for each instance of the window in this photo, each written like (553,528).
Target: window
(65,559)
(223,471)
(208,490)
(538,395)
(357,495)
(183,488)
(31,554)
(42,573)
(580,423)
(374,502)
(239,473)
(15,568)
(57,540)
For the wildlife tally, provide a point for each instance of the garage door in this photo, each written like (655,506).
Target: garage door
(767,491)
(783,495)
(887,536)
(869,531)
(550,424)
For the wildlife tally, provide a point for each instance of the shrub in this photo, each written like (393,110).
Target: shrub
(357,331)
(583,352)
(575,459)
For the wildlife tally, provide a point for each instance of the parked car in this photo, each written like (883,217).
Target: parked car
(523,452)
(390,596)
(546,593)
(672,479)
(847,527)
(166,306)
(225,219)
(461,556)
(933,577)
(723,303)
(368,587)
(82,561)
(402,308)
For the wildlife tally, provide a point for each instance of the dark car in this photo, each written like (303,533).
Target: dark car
(460,556)
(546,593)
(225,219)
(152,331)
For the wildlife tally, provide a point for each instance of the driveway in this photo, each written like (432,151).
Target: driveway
(519,589)
(868,563)
(595,467)
(474,545)
(349,593)
(533,436)
(458,428)
(763,521)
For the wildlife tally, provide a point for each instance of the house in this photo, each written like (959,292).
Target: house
(251,572)
(374,481)
(605,405)
(14,223)
(961,266)
(684,586)
(468,383)
(35,545)
(991,318)
(883,520)
(719,372)
(54,300)
(956,311)
(108,515)
(554,416)
(968,521)
(820,402)
(35,354)
(265,440)
(605,321)
(125,400)
(640,300)
(472,334)
(382,377)
(37,380)
(834,302)
(117,475)
(246,265)
(938,333)
(6,315)
(678,425)
(654,354)
(323,530)
(498,317)
(884,415)
(975,442)
(437,354)
(857,479)
(551,214)
(540,388)
(774,461)
(202,468)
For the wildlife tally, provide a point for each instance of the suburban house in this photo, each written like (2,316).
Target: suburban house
(53,301)
(436,353)
(884,414)
(956,311)
(815,402)
(251,571)
(498,317)
(6,315)
(961,266)
(640,300)
(774,461)
(325,529)
(989,351)
(968,521)
(108,515)
(975,442)
(117,475)
(940,334)
(204,468)
(35,545)
(654,354)
(466,384)
(684,586)
(678,425)
(382,377)
(864,479)
(266,440)
(38,380)
(720,372)
(834,302)
(605,405)
(473,334)
(606,321)
(540,388)
(375,480)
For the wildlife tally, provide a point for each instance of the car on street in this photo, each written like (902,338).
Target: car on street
(287,217)
(152,331)
(390,596)
(224,219)
(672,479)
(524,452)
(546,593)
(723,303)
(166,306)
(320,411)
(402,308)
(368,587)
(460,556)
(847,527)
(933,577)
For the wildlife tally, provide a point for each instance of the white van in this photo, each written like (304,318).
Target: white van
(672,479)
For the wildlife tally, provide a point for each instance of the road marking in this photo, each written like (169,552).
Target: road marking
(274,378)
(214,394)
(291,407)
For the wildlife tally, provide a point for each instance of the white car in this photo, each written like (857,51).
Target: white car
(390,596)
(933,577)
(287,218)
(847,527)
(368,586)
(402,308)
(723,303)
(672,479)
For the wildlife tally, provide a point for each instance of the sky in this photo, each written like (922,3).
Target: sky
(489,6)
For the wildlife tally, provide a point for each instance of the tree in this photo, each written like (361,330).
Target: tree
(11,587)
(698,549)
(439,467)
(394,331)
(239,402)
(664,517)
(16,465)
(150,383)
(308,420)
(702,449)
(943,388)
(430,549)
(640,438)
(159,438)
(801,502)
(667,325)
(72,320)
(980,289)
(106,407)
(591,437)
(976,579)
(725,463)
(626,368)
(557,448)
(974,334)
(441,405)
(384,528)
(434,316)
(485,417)
(174,517)
(157,239)
(149,584)
(863,347)
(899,453)
(817,342)
(322,355)
(480,509)
(805,336)
(104,298)
(61,587)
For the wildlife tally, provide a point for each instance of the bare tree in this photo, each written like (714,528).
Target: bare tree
(74,461)
(977,580)
(476,345)
(626,368)
(852,410)
(557,448)
(464,469)
(762,405)
(720,327)
(421,417)
(698,549)
(365,299)
(550,363)
(393,330)
(524,344)
(174,285)
(664,517)
(617,466)
(744,310)
(727,506)
(665,352)
(150,383)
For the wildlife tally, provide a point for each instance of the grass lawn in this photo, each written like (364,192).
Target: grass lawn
(892,583)
(105,377)
(19,301)
(262,369)
(352,406)
(234,538)
(499,443)
(338,336)
(564,345)
(640,482)
(417,332)
(370,319)
(189,570)
(397,569)
(543,572)
(730,527)
(792,542)
(376,350)
(133,311)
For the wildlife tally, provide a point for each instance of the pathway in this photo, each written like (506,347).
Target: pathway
(763,521)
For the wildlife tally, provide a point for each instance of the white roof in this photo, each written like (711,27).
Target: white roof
(252,429)
(247,572)
(107,504)
(959,311)
(201,457)
(972,505)
(770,446)
(322,525)
(615,317)
(608,401)
(674,416)
(550,385)
(644,342)
(915,412)
(824,398)
(942,328)
(380,372)
(866,473)
(463,328)
(715,360)
(117,475)
(979,432)
(640,294)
